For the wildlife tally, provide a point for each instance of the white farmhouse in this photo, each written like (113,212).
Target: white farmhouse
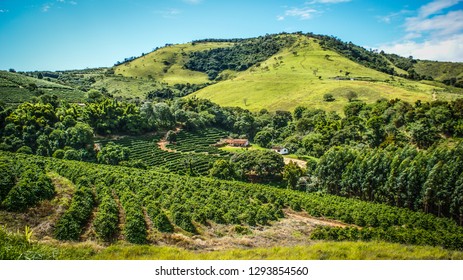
(280,150)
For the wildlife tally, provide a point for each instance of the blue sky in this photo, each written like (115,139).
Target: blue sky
(76,34)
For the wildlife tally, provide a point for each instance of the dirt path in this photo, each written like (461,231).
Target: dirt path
(300,163)
(163,142)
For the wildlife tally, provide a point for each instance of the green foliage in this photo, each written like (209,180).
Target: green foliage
(107,217)
(182,218)
(171,136)
(159,218)
(351,96)
(25,150)
(16,246)
(291,174)
(402,235)
(32,187)
(328,97)
(7,178)
(403,177)
(222,169)
(238,57)
(113,154)
(264,164)
(135,225)
(203,199)
(70,225)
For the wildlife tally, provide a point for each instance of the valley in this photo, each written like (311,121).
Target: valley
(135,161)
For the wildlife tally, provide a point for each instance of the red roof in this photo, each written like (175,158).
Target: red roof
(237,141)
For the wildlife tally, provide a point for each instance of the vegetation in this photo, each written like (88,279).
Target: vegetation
(238,57)
(375,143)
(18,88)
(404,177)
(70,225)
(301,75)
(231,203)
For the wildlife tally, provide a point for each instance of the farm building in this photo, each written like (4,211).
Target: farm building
(237,142)
(280,150)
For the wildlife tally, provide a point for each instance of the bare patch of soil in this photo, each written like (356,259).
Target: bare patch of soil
(294,229)
(300,163)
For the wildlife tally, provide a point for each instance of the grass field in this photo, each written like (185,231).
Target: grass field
(316,251)
(127,87)
(166,64)
(302,74)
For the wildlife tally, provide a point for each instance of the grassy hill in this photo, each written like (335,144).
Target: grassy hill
(167,64)
(305,72)
(17,88)
(440,71)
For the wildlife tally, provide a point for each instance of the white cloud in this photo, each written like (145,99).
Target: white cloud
(307,12)
(434,33)
(170,13)
(392,16)
(301,13)
(450,49)
(46,8)
(446,24)
(436,6)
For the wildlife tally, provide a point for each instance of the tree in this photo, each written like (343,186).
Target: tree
(263,164)
(351,96)
(263,138)
(422,134)
(291,174)
(79,136)
(222,169)
(328,97)
(171,136)
(94,95)
(163,116)
(113,154)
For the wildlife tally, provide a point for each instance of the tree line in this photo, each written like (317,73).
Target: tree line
(238,57)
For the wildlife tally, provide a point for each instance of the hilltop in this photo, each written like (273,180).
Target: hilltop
(279,72)
(273,72)
(304,73)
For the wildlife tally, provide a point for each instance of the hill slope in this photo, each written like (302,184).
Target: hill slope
(167,64)
(304,73)
(17,88)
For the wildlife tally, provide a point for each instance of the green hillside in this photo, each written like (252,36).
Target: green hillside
(167,64)
(448,72)
(304,73)
(17,88)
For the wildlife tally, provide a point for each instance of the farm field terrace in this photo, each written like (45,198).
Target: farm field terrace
(116,205)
